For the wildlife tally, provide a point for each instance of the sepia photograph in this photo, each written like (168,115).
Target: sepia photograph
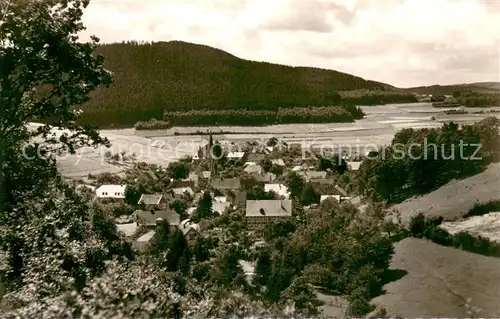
(249,159)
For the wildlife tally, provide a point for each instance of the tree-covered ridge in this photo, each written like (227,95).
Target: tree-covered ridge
(152,78)
(478,87)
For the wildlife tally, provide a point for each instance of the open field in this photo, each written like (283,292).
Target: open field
(439,281)
(456,198)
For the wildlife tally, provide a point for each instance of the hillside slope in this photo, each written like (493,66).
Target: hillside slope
(478,87)
(455,198)
(175,75)
(439,281)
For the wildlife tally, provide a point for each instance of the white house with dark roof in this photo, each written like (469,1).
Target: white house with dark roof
(279,189)
(111,191)
(260,213)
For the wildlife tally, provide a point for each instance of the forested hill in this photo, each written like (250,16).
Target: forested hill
(175,76)
(478,87)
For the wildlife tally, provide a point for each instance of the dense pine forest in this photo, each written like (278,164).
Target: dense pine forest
(151,79)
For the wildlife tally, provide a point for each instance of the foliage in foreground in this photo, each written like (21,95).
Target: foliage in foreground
(336,248)
(140,289)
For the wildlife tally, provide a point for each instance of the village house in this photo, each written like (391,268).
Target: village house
(260,213)
(354,166)
(220,208)
(240,197)
(293,147)
(190,211)
(278,189)
(256,157)
(192,179)
(220,199)
(263,178)
(356,200)
(325,197)
(253,168)
(190,230)
(236,156)
(182,192)
(151,218)
(225,183)
(206,174)
(278,162)
(111,191)
(342,191)
(270,149)
(312,175)
(153,202)
(323,182)
(152,175)
(299,168)
(142,243)
(127,229)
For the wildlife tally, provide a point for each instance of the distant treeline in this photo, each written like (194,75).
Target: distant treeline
(367,97)
(150,79)
(327,114)
(473,99)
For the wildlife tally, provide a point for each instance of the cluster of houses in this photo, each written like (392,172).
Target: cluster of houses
(226,196)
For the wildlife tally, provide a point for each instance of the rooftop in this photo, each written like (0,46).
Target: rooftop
(274,208)
(149,218)
(225,183)
(150,199)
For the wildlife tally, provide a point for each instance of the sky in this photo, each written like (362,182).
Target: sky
(400,42)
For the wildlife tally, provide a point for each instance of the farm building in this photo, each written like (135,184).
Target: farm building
(111,191)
